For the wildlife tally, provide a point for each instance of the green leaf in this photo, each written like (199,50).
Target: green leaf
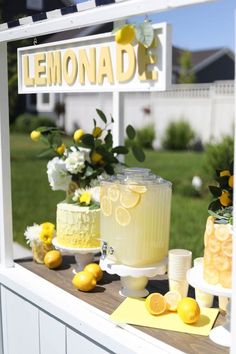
(101,115)
(223,181)
(120,150)
(231,168)
(112,119)
(145,34)
(216,191)
(46,129)
(95,123)
(109,169)
(138,153)
(130,131)
(88,140)
(109,140)
(44,153)
(214,205)
(89,171)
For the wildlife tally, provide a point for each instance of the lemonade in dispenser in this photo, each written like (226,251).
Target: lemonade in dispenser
(135,217)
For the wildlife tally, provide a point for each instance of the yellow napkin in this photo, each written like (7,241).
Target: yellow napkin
(133,311)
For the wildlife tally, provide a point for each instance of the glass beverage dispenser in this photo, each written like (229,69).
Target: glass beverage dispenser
(135,217)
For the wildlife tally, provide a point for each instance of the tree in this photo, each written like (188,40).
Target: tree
(186,74)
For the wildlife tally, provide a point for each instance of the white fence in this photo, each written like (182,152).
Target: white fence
(209,108)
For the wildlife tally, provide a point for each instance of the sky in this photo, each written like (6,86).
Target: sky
(209,25)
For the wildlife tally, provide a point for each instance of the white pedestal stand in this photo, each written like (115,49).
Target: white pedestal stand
(133,279)
(221,334)
(83,256)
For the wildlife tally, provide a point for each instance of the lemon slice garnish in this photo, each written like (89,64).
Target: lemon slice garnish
(106,206)
(129,199)
(137,188)
(113,193)
(122,216)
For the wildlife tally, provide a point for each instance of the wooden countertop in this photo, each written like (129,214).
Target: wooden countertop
(106,298)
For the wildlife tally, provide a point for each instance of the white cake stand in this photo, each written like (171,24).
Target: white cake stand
(133,279)
(221,334)
(83,256)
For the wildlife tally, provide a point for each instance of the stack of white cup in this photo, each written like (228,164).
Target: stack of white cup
(179,262)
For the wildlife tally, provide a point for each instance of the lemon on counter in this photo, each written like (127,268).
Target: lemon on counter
(188,310)
(84,281)
(53,259)
(95,269)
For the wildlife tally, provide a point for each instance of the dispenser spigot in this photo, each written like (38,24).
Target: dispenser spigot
(104,250)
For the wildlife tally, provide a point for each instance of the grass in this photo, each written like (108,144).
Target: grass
(34,201)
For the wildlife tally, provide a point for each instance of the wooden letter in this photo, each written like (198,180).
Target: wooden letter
(70,67)
(105,66)
(87,67)
(40,69)
(28,81)
(121,51)
(144,59)
(54,74)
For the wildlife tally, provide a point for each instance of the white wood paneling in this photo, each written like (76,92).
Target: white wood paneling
(52,335)
(5,175)
(79,344)
(94,16)
(20,324)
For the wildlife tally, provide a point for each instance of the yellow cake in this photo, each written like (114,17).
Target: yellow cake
(78,227)
(217,265)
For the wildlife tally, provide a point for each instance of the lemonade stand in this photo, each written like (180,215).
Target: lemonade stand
(41,313)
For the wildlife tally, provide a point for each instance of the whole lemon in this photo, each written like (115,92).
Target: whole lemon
(188,310)
(95,269)
(96,157)
(97,131)
(61,149)
(84,281)
(225,199)
(231,181)
(53,259)
(78,135)
(35,135)
(125,35)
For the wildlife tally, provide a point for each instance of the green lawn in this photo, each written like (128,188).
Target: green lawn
(34,201)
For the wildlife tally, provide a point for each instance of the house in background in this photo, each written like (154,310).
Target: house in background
(208,65)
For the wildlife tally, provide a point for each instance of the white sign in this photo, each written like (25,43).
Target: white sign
(34,4)
(96,63)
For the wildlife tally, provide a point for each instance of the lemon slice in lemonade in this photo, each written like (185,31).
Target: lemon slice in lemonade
(106,206)
(137,188)
(113,193)
(122,216)
(129,199)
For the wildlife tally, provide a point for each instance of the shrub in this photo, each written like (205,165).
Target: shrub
(178,136)
(25,123)
(219,155)
(146,136)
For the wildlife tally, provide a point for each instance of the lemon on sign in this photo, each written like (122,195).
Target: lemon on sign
(53,259)
(125,35)
(188,310)
(84,281)
(129,199)
(122,216)
(95,269)
(156,304)
(106,206)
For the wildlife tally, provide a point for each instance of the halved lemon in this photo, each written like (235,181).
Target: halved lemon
(155,304)
(137,188)
(123,216)
(129,199)
(113,193)
(106,206)
(172,299)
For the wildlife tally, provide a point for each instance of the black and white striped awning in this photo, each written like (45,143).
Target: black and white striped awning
(43,16)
